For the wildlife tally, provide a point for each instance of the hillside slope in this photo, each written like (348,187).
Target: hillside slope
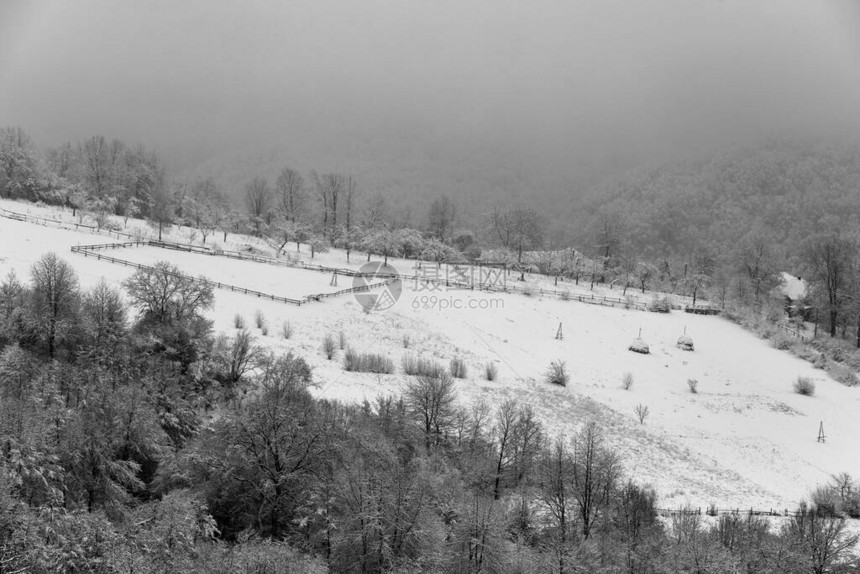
(744,440)
(788,191)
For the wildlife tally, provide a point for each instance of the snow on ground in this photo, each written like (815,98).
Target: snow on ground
(337,257)
(280,281)
(744,440)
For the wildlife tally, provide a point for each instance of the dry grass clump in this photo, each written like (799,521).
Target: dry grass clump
(491,372)
(556,373)
(421,367)
(627,381)
(458,368)
(693,385)
(367,363)
(804,386)
(329,347)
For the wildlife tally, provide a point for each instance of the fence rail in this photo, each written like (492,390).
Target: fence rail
(93,251)
(669,512)
(793,332)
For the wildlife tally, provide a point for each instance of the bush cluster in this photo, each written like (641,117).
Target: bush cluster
(458,368)
(421,367)
(804,386)
(367,363)
(556,373)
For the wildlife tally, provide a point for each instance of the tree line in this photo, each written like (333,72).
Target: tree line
(108,178)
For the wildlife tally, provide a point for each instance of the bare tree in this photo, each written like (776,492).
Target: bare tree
(351,193)
(759,263)
(290,187)
(595,475)
(330,188)
(829,263)
(258,199)
(507,418)
(161,206)
(432,401)
(822,540)
(166,295)
(517,228)
(556,491)
(375,212)
(526,441)
(440,218)
(55,297)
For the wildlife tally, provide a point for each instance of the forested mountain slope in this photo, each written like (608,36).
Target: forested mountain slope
(787,191)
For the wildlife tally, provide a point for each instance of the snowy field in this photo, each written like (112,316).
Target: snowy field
(744,440)
(273,280)
(336,257)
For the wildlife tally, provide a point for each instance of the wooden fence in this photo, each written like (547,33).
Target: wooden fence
(669,512)
(93,251)
(255,258)
(793,332)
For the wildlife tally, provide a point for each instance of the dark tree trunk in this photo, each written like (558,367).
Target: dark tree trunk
(857,344)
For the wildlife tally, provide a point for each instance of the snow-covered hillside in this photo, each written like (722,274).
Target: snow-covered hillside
(744,440)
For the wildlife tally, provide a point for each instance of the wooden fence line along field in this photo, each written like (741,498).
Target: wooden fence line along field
(590,299)
(668,512)
(793,332)
(89,251)
(603,300)
(45,221)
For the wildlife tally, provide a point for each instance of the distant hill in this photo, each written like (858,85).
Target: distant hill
(786,190)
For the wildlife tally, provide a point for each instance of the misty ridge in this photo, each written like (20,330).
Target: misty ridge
(449,287)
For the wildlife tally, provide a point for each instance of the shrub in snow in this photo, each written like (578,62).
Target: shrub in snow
(844,374)
(660,305)
(565,295)
(685,342)
(627,381)
(458,368)
(641,413)
(238,321)
(846,489)
(804,386)
(420,367)
(527,291)
(490,371)
(557,373)
(286,330)
(264,330)
(693,384)
(341,341)
(639,346)
(825,501)
(259,319)
(781,342)
(329,347)
(406,340)
(367,363)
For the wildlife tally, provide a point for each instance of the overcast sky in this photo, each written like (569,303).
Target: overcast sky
(578,80)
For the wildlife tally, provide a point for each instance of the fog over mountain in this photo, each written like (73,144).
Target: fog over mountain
(442,96)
